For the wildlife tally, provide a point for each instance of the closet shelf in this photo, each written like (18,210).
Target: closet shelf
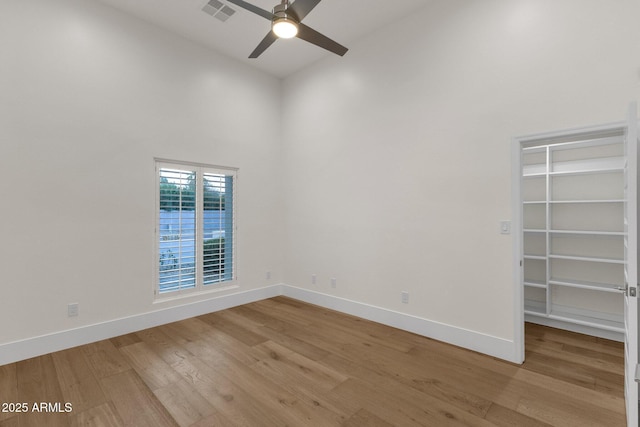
(589,232)
(536,308)
(592,322)
(587,258)
(583,284)
(587,171)
(575,232)
(534,175)
(607,325)
(535,284)
(586,201)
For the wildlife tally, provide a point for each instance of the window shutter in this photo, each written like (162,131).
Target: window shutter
(217,228)
(177,229)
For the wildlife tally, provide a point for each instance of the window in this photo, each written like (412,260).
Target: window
(194,227)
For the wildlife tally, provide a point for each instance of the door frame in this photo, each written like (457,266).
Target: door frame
(631,269)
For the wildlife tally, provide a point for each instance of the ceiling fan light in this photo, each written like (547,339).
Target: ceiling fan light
(285,28)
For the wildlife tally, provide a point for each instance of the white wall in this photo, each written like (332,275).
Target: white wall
(89,96)
(397,156)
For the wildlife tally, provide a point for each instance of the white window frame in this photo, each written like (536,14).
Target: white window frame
(230,246)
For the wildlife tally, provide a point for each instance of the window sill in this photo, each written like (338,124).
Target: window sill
(180,295)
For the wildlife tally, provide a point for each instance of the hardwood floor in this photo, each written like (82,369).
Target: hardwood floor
(282,362)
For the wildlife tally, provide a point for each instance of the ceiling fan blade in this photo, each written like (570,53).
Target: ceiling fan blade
(251,8)
(264,44)
(301,8)
(312,36)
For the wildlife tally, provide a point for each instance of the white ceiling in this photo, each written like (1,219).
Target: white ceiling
(341,20)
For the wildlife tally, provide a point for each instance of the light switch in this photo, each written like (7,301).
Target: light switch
(505,227)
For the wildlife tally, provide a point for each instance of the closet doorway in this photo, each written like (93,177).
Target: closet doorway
(575,204)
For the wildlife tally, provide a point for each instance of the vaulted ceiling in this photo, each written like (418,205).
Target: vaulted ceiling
(344,21)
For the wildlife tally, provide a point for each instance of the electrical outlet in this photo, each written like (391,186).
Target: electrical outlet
(405,297)
(268,275)
(72,309)
(333,282)
(314,279)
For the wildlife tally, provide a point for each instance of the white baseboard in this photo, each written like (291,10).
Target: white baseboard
(37,346)
(472,340)
(32,347)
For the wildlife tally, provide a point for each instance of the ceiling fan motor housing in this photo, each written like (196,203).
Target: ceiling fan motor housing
(280,12)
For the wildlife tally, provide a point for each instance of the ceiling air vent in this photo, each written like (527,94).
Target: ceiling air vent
(218,10)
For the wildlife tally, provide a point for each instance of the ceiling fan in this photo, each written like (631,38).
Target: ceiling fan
(286,23)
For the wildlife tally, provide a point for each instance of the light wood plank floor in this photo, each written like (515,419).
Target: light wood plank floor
(282,362)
